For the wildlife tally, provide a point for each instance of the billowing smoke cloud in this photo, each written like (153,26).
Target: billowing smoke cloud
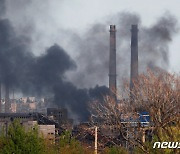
(42,75)
(154,42)
(54,73)
(14,55)
(93,47)
(2,7)
(92,58)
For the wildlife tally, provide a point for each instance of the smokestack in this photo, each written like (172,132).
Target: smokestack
(112,62)
(7,101)
(134,56)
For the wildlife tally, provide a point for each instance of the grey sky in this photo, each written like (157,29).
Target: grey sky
(49,21)
(80,14)
(81,27)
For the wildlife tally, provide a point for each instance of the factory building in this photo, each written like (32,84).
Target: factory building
(48,127)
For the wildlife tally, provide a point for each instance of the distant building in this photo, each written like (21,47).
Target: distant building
(49,125)
(31,99)
(24,99)
(29,120)
(13,107)
(60,115)
(47,131)
(32,106)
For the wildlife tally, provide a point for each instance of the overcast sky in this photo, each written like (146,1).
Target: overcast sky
(80,14)
(47,18)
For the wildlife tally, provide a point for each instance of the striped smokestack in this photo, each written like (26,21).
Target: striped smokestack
(112,62)
(134,56)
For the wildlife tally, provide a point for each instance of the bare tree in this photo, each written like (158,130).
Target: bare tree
(158,94)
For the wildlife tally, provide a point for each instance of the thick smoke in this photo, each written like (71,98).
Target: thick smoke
(93,47)
(54,73)
(2,7)
(49,68)
(42,75)
(154,42)
(92,58)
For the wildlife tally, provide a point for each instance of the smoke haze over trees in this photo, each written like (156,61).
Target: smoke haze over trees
(67,75)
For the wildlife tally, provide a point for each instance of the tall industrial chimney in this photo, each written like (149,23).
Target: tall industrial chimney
(112,62)
(7,101)
(134,56)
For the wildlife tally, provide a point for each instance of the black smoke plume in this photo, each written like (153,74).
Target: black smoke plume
(2,7)
(41,75)
(46,74)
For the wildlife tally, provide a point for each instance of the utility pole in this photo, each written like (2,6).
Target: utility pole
(95,144)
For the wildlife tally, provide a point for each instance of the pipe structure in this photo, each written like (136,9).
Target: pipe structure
(112,62)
